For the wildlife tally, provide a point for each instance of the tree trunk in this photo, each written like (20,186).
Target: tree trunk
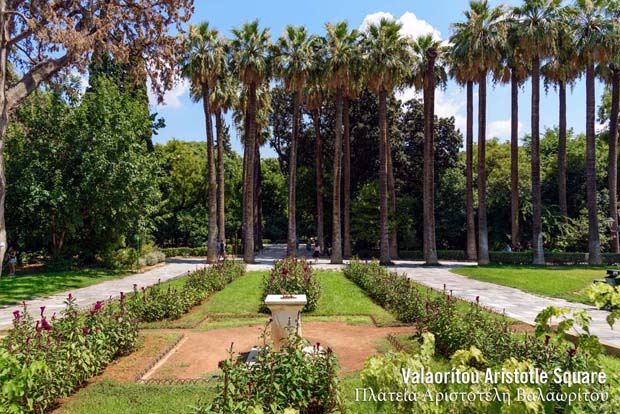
(428,192)
(392,207)
(221,214)
(258,200)
(514,162)
(483,236)
(537,236)
(347,179)
(471,214)
(336,257)
(248,178)
(594,243)
(291,240)
(384,240)
(613,158)
(562,151)
(319,178)
(212,231)
(4,121)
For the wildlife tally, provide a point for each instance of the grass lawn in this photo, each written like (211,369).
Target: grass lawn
(568,283)
(109,396)
(339,296)
(14,289)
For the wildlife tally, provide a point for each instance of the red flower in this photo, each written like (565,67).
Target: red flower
(17,315)
(85,331)
(42,310)
(45,324)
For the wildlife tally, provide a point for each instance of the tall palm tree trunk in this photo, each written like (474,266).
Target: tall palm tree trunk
(594,243)
(483,236)
(212,231)
(318,158)
(221,214)
(392,207)
(537,236)
(291,241)
(258,200)
(336,257)
(613,158)
(469,155)
(347,179)
(430,248)
(384,246)
(562,151)
(248,178)
(514,161)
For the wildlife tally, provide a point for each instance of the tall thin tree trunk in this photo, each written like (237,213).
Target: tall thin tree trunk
(4,121)
(291,240)
(430,248)
(384,240)
(336,257)
(347,178)
(212,231)
(613,158)
(248,179)
(483,235)
(514,162)
(221,189)
(319,178)
(258,200)
(537,236)
(594,243)
(562,151)
(392,207)
(471,214)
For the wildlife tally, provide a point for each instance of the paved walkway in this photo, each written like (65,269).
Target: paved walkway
(89,295)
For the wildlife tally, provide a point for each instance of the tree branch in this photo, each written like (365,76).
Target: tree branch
(18,38)
(29,22)
(33,79)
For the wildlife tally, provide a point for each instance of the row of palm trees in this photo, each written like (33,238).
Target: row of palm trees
(541,39)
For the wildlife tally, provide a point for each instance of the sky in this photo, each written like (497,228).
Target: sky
(185,120)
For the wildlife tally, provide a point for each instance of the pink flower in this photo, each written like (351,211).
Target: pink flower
(85,331)
(97,306)
(42,310)
(477,299)
(16,315)
(45,324)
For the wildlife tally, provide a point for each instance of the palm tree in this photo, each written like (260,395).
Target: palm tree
(610,74)
(537,21)
(314,94)
(202,65)
(428,72)
(387,60)
(461,69)
(480,38)
(561,70)
(293,61)
(513,70)
(223,98)
(341,51)
(591,40)
(250,46)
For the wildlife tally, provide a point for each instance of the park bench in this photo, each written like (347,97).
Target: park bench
(612,278)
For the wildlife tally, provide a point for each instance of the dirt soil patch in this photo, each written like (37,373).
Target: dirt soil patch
(199,355)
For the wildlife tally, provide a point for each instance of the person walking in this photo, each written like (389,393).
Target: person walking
(221,250)
(317,251)
(12,261)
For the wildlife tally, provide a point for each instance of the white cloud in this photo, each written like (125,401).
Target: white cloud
(501,129)
(172,98)
(447,104)
(412,26)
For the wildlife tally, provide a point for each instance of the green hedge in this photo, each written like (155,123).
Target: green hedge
(185,251)
(459,255)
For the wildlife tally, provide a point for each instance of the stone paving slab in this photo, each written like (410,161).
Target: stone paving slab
(515,303)
(91,294)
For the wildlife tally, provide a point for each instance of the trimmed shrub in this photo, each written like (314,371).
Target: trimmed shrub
(152,258)
(513,258)
(185,251)
(158,302)
(611,259)
(292,276)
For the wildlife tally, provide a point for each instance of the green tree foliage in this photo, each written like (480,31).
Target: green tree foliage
(82,179)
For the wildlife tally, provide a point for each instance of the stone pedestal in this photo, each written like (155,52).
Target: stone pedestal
(285,315)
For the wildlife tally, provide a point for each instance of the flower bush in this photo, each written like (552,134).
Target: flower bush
(157,302)
(292,276)
(48,357)
(291,380)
